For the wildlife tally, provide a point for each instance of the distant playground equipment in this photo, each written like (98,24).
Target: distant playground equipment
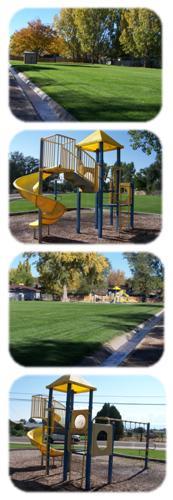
(115,295)
(80,422)
(62,155)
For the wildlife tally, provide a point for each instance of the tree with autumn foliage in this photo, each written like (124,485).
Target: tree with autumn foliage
(37,37)
(116,278)
(59,269)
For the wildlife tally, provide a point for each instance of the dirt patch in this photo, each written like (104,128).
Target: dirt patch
(146,229)
(128,475)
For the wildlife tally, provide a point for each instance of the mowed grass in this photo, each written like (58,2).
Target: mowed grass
(156,454)
(99,92)
(61,334)
(145,204)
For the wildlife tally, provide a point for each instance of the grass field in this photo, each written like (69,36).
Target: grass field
(157,454)
(99,92)
(61,334)
(147,203)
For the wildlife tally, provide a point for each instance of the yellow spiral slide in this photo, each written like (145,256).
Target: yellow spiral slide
(52,210)
(36,438)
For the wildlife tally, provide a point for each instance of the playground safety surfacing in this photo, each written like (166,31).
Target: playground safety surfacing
(146,228)
(128,475)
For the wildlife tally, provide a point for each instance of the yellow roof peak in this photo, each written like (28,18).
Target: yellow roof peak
(78,385)
(92,142)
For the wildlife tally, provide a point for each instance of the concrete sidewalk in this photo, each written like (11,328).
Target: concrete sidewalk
(20,105)
(45,107)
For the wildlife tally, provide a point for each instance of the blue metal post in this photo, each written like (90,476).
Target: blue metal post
(89,444)
(69,404)
(118,188)
(147,445)
(111,208)
(97,196)
(96,209)
(40,189)
(78,211)
(49,430)
(101,181)
(111,457)
(132,208)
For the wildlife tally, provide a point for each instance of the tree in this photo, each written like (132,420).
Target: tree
(58,270)
(89,34)
(65,27)
(20,165)
(116,278)
(146,141)
(147,271)
(141,34)
(94,29)
(37,37)
(111,411)
(150,178)
(127,171)
(22,275)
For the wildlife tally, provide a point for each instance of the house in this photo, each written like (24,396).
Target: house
(23,292)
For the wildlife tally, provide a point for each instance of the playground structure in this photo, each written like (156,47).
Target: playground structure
(114,296)
(62,155)
(80,422)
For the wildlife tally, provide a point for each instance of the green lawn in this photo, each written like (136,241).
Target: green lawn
(157,454)
(99,92)
(57,334)
(147,203)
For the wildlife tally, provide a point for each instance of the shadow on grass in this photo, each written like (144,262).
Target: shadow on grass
(52,353)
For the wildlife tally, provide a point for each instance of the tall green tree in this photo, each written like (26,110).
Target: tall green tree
(111,411)
(141,34)
(66,28)
(21,275)
(147,273)
(146,141)
(20,165)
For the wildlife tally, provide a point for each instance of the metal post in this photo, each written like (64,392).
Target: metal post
(132,205)
(40,189)
(89,444)
(101,179)
(69,403)
(118,188)
(96,209)
(97,195)
(49,430)
(78,211)
(55,189)
(147,445)
(111,457)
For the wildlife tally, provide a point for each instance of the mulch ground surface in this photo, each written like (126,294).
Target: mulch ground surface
(128,475)
(146,229)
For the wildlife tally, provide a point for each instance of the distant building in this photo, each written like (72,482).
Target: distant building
(23,292)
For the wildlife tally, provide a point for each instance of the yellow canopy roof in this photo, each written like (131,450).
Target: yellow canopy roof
(92,141)
(77,384)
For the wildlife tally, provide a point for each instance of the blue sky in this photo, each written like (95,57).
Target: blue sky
(28,143)
(145,391)
(116,259)
(22,17)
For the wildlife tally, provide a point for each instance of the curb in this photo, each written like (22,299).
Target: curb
(131,340)
(46,108)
